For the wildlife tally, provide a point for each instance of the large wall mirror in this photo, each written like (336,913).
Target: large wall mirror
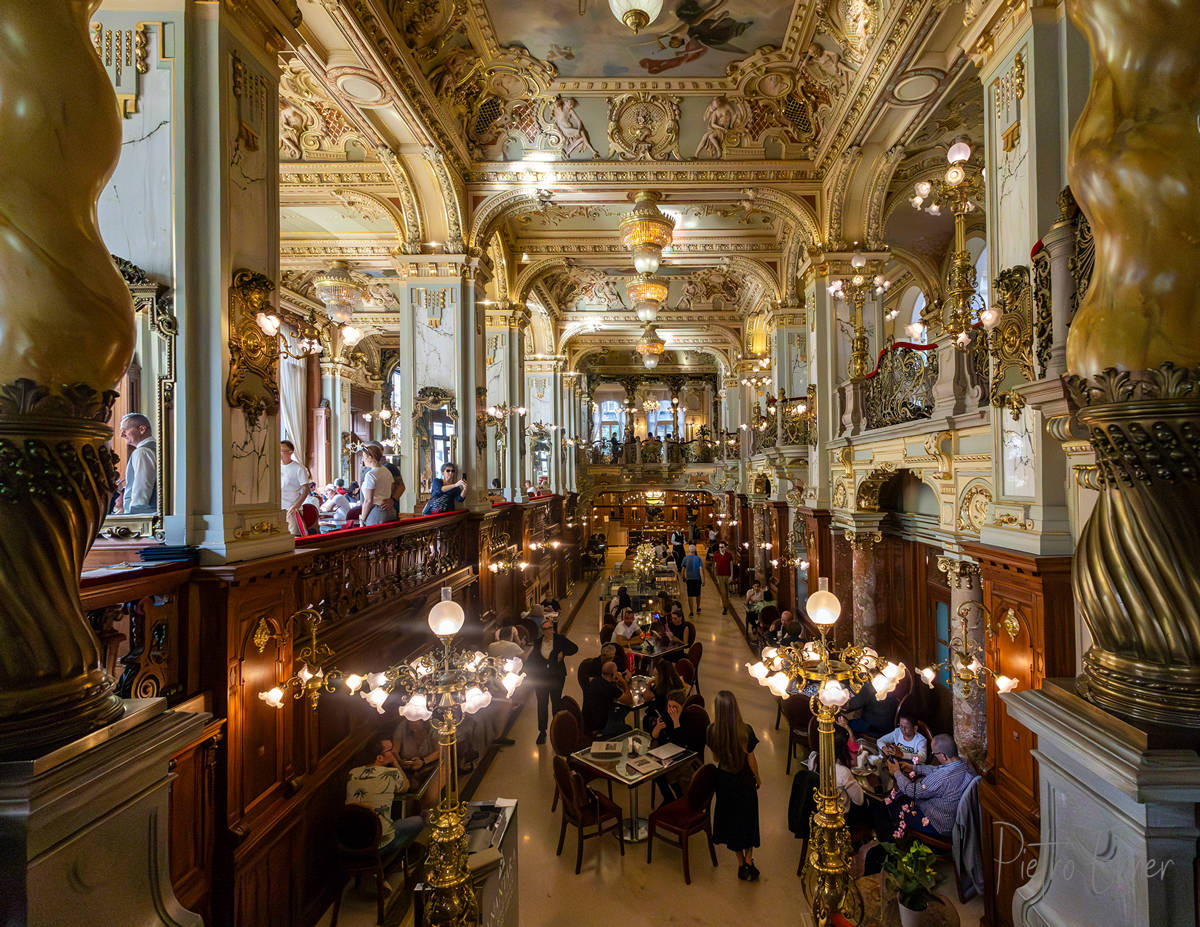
(144,416)
(435,428)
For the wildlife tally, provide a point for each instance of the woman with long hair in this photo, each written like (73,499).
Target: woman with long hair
(735,817)
(377,506)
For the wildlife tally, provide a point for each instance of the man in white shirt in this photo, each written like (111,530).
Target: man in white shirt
(905,742)
(337,503)
(140,496)
(292,484)
(375,786)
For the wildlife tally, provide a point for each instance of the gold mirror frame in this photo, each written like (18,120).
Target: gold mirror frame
(155,308)
(431,399)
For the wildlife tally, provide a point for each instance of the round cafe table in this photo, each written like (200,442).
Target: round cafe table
(880,908)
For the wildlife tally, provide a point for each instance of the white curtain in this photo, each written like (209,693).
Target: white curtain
(293,420)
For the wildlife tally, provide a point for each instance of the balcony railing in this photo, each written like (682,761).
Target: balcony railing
(656,452)
(900,388)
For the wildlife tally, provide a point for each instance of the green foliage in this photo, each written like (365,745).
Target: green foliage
(911,873)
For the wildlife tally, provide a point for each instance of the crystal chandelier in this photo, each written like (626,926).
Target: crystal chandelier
(645,231)
(336,289)
(647,293)
(636,14)
(649,405)
(957,190)
(651,347)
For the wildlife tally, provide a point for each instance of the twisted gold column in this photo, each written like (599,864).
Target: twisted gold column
(1133,357)
(66,336)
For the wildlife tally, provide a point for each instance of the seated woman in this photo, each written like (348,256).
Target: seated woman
(663,681)
(447,491)
(619,602)
(850,793)
(668,729)
(678,629)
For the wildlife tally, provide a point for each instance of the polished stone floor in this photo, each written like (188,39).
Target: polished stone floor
(615,890)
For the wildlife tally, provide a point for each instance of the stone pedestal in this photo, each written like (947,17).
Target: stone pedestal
(1118,818)
(83,829)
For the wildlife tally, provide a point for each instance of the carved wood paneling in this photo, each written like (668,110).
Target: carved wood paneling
(1038,590)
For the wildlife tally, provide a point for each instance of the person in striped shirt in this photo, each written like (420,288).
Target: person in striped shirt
(934,792)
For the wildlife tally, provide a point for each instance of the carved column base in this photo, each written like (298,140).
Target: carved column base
(56,477)
(1134,574)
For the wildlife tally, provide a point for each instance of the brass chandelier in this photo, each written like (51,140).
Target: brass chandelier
(646,231)
(646,294)
(651,347)
(958,190)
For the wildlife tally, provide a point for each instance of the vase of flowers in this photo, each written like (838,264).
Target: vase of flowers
(912,876)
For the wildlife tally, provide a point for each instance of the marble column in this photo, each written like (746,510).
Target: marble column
(863,577)
(970,713)
(823,375)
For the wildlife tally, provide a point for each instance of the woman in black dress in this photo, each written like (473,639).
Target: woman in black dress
(735,817)
(547,670)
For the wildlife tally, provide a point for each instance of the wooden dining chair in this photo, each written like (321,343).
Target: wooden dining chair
(694,699)
(686,670)
(568,703)
(695,652)
(694,722)
(583,808)
(798,711)
(356,831)
(685,816)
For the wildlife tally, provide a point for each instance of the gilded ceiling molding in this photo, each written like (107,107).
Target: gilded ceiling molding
(500,206)
(452,196)
(759,271)
(805,231)
(412,238)
(903,16)
(368,206)
(532,272)
(373,40)
(881,178)
(837,195)
(569,173)
(500,267)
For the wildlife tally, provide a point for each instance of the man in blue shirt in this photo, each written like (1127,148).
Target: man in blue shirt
(692,569)
(936,790)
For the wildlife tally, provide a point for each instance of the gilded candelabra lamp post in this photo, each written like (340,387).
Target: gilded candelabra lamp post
(866,278)
(829,678)
(957,191)
(440,687)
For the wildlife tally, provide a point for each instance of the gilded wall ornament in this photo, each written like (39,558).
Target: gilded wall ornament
(253,382)
(973,507)
(643,127)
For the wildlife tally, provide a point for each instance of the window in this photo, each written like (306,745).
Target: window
(610,419)
(981,272)
(941,635)
(918,305)
(441,435)
(664,419)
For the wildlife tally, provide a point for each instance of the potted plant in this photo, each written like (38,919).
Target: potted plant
(911,875)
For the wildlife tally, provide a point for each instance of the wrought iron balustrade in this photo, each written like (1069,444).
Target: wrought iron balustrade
(900,388)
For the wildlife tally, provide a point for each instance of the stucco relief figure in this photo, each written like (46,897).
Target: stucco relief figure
(827,66)
(570,126)
(453,71)
(692,291)
(720,117)
(292,124)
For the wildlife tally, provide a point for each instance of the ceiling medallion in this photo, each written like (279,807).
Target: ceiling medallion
(645,231)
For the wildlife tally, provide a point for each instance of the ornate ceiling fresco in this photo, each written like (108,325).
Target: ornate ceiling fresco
(516,134)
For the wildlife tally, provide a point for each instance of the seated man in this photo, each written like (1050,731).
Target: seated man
(616,654)
(415,745)
(905,742)
(627,631)
(509,643)
(878,717)
(933,791)
(375,785)
(606,701)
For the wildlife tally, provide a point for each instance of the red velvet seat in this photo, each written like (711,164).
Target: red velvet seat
(685,816)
